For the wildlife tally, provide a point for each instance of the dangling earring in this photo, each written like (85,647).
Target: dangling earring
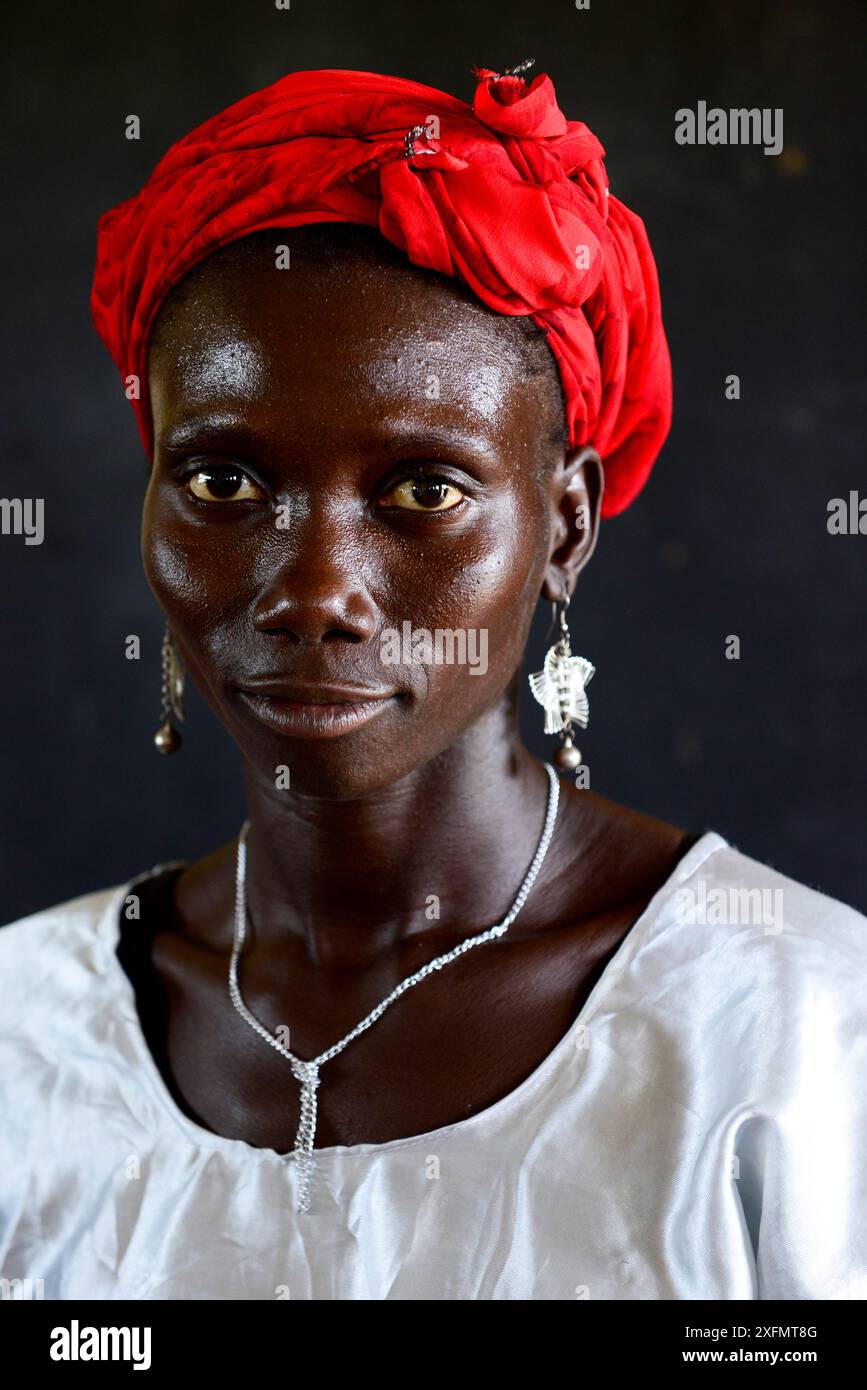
(167,737)
(559,687)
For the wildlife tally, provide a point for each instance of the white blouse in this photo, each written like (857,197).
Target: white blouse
(699,1132)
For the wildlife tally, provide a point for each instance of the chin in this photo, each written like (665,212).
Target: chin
(341,766)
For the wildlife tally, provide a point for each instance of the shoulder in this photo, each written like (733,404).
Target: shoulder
(58,925)
(737,923)
(748,976)
(734,966)
(59,991)
(719,886)
(52,955)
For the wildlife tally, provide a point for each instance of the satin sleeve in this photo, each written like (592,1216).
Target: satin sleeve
(799,1163)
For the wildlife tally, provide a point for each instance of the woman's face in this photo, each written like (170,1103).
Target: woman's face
(347,452)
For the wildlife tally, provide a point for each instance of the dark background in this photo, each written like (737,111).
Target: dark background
(760,264)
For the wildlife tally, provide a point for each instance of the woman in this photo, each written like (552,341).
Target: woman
(393,358)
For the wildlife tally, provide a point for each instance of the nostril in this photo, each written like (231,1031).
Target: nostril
(311,624)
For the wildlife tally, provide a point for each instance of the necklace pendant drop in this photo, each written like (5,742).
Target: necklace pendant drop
(308,1074)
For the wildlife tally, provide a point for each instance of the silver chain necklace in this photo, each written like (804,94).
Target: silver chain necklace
(308,1072)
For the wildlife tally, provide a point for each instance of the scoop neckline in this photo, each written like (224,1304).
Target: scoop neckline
(110,933)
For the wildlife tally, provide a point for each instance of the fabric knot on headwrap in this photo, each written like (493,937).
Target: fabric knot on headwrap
(506,102)
(505,194)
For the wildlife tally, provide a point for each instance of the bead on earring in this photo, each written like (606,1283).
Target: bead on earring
(560,688)
(167,738)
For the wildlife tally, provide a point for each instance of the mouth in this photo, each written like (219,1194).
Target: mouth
(315,711)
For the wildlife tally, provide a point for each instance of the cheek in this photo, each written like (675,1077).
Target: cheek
(193,575)
(486,588)
(191,567)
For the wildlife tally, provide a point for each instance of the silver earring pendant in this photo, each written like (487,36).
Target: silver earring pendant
(560,689)
(167,738)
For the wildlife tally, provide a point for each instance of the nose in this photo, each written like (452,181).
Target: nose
(317,594)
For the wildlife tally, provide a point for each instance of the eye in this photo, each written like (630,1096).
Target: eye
(424,494)
(223,483)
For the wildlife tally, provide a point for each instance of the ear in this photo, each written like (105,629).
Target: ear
(576,497)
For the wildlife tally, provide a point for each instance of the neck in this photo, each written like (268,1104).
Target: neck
(439,854)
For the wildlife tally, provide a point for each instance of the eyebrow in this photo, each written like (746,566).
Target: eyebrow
(398,434)
(192,431)
(392,435)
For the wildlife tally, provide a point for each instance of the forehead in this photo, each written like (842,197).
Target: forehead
(337,334)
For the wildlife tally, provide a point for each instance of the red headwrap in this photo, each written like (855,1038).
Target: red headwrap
(505,194)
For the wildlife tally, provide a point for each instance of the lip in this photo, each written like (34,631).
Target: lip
(314,711)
